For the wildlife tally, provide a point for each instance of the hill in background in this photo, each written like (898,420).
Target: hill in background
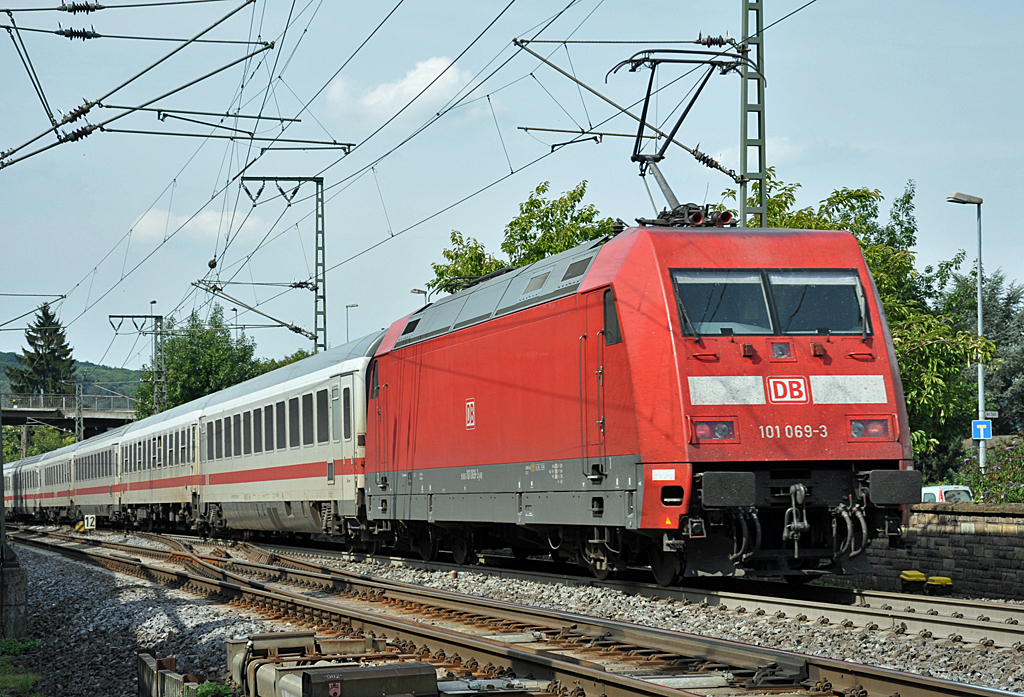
(103,379)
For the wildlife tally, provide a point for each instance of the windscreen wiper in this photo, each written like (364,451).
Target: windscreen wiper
(686,317)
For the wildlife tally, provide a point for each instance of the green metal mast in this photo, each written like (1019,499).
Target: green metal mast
(752,136)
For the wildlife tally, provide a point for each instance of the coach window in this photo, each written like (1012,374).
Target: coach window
(218,439)
(282,426)
(347,401)
(293,422)
(336,414)
(228,440)
(268,428)
(168,450)
(236,425)
(247,433)
(145,454)
(208,426)
(322,418)
(307,419)
(257,430)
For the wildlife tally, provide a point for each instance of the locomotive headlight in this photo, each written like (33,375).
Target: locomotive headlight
(715,430)
(870,428)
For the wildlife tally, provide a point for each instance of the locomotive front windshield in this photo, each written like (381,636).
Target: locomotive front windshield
(751,302)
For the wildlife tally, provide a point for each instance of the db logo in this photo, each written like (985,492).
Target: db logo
(470,414)
(788,391)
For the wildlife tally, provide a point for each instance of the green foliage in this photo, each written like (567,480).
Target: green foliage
(200,358)
(1003,479)
(12,443)
(12,680)
(544,227)
(16,647)
(268,364)
(931,349)
(541,229)
(212,689)
(41,439)
(46,365)
(100,379)
(467,259)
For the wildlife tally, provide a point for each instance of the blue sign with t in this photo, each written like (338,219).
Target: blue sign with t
(981,429)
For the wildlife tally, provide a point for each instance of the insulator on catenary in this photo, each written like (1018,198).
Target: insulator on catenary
(82,34)
(78,134)
(77,113)
(705,159)
(81,7)
(711,41)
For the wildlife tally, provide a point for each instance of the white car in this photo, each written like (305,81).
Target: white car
(946,493)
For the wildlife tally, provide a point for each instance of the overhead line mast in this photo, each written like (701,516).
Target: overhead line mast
(752,85)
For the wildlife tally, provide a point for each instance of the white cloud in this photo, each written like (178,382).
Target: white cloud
(157,224)
(387,98)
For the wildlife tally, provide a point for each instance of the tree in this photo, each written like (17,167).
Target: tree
(46,366)
(268,364)
(200,358)
(931,349)
(1003,318)
(541,229)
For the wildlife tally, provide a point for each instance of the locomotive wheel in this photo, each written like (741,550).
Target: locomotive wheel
(521,553)
(462,549)
(605,573)
(666,567)
(426,545)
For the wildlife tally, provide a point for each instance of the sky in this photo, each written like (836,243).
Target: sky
(435,96)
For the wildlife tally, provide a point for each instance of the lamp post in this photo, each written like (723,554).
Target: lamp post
(420,291)
(957,197)
(346,319)
(235,309)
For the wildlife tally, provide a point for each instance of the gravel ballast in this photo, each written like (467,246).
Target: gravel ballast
(92,622)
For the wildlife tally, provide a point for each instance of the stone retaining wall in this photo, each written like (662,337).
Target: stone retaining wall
(979,546)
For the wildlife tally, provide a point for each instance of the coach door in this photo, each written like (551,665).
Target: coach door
(592,378)
(341,465)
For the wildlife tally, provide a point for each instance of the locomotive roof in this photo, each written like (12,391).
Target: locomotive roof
(361,347)
(550,278)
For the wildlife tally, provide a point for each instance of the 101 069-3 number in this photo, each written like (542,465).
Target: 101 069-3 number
(794,431)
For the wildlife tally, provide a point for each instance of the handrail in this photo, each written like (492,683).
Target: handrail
(90,402)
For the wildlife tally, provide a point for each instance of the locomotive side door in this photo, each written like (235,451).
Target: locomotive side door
(384,479)
(592,378)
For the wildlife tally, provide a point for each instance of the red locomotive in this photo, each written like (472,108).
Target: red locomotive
(699,399)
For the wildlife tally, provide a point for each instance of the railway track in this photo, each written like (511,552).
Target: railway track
(559,652)
(936,617)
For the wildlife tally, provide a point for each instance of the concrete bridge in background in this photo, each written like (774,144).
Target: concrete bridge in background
(99,412)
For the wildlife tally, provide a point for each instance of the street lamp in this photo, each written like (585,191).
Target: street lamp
(420,291)
(346,319)
(957,197)
(235,309)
